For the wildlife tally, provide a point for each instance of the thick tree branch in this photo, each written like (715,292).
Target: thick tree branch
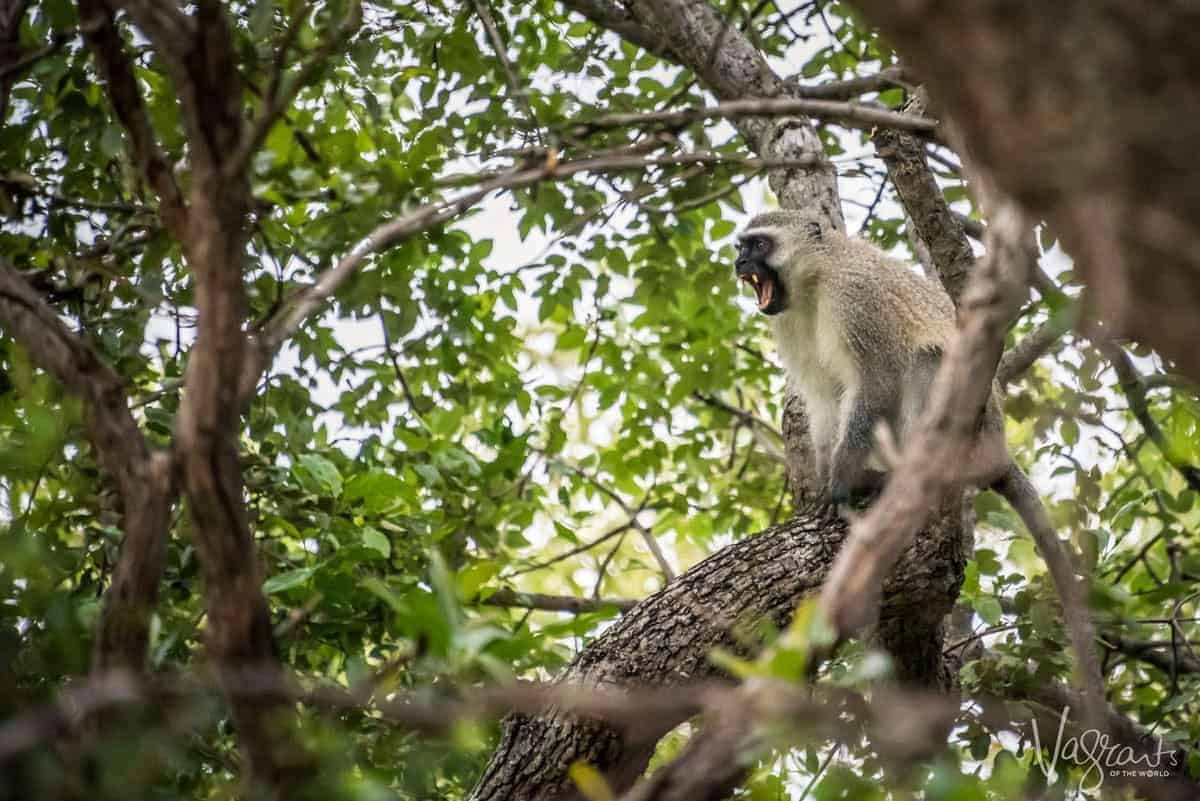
(142,478)
(108,48)
(936,225)
(667,638)
(198,51)
(611,16)
(732,68)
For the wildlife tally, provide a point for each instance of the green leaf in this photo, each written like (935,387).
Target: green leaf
(376,540)
(112,141)
(377,490)
(318,475)
(989,609)
(472,578)
(287,580)
(1070,431)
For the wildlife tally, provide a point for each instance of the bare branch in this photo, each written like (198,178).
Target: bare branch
(851,87)
(1152,653)
(765,434)
(860,114)
(656,551)
(555,603)
(1038,343)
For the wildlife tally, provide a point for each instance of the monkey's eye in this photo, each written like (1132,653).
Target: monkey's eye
(760,245)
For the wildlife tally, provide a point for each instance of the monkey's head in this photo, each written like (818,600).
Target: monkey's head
(771,253)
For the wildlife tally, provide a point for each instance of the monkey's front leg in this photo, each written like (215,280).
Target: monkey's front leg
(850,480)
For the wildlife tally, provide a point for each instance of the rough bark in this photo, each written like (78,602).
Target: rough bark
(801,472)
(667,639)
(1087,112)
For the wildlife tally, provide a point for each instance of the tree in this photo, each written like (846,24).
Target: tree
(361,359)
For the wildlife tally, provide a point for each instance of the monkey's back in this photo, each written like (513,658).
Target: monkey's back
(885,303)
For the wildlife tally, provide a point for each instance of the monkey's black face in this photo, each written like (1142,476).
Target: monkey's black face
(752,268)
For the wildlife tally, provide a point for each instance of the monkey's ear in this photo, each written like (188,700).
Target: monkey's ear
(814,231)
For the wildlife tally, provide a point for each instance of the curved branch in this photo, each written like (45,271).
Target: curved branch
(311,298)
(1043,339)
(850,112)
(1132,385)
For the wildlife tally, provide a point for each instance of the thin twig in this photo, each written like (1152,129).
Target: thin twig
(510,74)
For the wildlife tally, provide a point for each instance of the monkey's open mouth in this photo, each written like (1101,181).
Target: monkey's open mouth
(764,287)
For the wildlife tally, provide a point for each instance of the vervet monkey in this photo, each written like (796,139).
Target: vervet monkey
(861,335)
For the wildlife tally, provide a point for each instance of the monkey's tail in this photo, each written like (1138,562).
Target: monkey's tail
(1016,488)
